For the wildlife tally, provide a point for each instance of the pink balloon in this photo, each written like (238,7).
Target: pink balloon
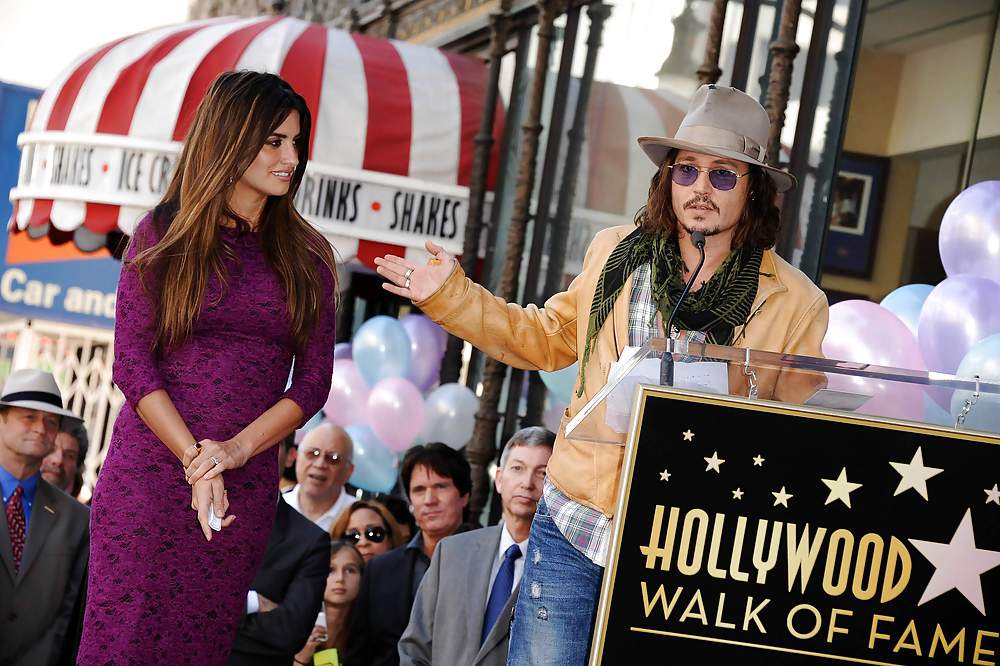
(348,400)
(865,332)
(396,412)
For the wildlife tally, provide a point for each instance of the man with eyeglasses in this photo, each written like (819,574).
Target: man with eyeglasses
(323,465)
(710,178)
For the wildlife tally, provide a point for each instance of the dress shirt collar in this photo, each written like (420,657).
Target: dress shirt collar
(10,484)
(506,541)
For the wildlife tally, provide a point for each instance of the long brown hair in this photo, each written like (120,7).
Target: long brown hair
(758,225)
(233,121)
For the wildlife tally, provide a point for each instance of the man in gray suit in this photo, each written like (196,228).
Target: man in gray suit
(462,612)
(44,539)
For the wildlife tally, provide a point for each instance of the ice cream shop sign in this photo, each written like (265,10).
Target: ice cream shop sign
(133,175)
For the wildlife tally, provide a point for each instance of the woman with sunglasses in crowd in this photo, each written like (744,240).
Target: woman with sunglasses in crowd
(370,527)
(342,586)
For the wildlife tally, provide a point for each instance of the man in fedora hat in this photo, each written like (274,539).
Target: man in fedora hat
(710,178)
(44,539)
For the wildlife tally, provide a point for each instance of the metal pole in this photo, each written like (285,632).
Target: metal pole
(709,71)
(597,13)
(481,449)
(783,52)
(543,203)
(499,28)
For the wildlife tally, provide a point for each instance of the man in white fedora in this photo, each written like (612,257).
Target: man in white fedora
(44,538)
(710,178)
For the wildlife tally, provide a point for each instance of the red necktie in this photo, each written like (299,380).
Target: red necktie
(15,524)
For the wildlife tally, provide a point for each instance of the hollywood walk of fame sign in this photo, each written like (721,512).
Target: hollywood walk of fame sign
(861,540)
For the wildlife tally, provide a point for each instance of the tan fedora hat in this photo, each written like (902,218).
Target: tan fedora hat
(723,122)
(34,389)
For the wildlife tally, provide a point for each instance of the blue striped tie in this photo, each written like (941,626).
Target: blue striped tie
(500,593)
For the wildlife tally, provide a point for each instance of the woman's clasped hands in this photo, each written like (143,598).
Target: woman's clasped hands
(204,463)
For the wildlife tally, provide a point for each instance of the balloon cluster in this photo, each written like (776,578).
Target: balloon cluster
(383,393)
(953,327)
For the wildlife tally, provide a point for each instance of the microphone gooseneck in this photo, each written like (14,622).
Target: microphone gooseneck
(667,361)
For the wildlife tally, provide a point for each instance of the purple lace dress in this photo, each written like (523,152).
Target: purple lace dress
(158,593)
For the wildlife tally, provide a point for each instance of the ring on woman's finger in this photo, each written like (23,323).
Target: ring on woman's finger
(407,274)
(406,285)
(215,461)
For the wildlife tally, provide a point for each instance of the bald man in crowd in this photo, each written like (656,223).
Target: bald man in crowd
(323,466)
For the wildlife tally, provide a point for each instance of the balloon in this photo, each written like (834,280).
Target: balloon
(450,415)
(342,350)
(865,332)
(309,425)
(381,348)
(552,416)
(426,350)
(348,400)
(969,239)
(395,412)
(983,360)
(561,382)
(906,303)
(960,312)
(375,466)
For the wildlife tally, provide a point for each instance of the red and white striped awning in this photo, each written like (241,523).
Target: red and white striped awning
(392,143)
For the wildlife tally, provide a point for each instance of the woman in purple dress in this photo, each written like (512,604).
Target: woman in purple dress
(221,288)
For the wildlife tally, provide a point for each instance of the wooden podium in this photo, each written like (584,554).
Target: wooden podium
(755,531)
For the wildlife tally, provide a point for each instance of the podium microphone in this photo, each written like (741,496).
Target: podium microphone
(667,361)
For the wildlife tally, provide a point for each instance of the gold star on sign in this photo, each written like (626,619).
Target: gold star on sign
(714,462)
(841,488)
(758,460)
(993,495)
(688,435)
(664,475)
(914,474)
(781,497)
(737,494)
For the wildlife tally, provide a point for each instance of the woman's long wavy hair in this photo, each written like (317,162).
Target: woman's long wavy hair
(232,123)
(758,226)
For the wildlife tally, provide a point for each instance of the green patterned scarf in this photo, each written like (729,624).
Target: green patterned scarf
(722,303)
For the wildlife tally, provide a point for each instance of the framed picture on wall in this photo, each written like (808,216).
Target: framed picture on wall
(856,200)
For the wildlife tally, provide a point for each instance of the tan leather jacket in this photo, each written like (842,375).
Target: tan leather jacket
(790,315)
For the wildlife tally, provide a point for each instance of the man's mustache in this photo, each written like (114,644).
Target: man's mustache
(701,200)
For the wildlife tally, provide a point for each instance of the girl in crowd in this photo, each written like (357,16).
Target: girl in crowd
(370,527)
(222,287)
(342,585)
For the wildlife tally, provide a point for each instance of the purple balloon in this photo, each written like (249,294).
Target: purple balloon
(865,332)
(969,239)
(348,400)
(960,312)
(395,412)
(426,350)
(342,350)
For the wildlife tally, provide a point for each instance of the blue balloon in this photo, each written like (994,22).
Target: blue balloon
(381,349)
(375,466)
(982,360)
(561,382)
(906,303)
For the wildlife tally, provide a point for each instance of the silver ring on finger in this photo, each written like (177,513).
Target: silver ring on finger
(406,285)
(407,274)
(215,461)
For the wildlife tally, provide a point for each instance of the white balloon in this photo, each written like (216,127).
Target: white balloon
(450,415)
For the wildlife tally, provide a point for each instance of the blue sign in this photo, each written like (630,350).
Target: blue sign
(36,278)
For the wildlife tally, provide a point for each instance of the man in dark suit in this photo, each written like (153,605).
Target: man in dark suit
(287,592)
(44,539)
(438,481)
(463,609)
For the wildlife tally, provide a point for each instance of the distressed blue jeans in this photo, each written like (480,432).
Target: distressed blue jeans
(554,615)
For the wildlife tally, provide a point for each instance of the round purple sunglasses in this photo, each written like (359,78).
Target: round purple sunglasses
(721,179)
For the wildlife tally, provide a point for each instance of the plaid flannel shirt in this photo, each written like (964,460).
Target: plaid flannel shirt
(589,530)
